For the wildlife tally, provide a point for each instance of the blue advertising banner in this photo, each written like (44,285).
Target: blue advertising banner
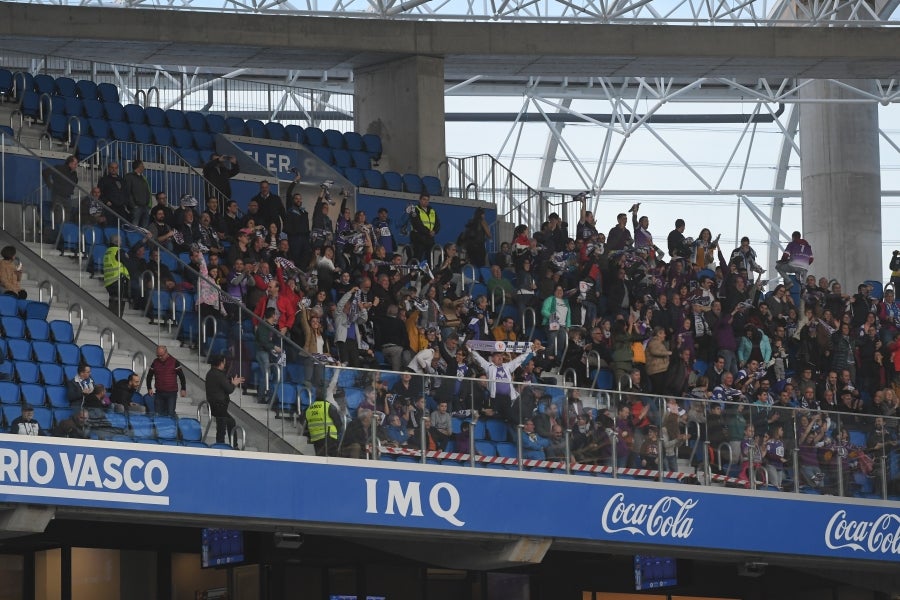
(305,489)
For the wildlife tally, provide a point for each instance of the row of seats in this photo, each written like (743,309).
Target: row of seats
(388,180)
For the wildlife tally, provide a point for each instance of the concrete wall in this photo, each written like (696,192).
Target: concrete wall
(403,102)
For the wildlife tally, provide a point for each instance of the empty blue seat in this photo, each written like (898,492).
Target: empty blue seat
(102,375)
(69,354)
(215,123)
(324,154)
(27,371)
(141,426)
(374,179)
(412,183)
(6,82)
(182,138)
(166,428)
(44,352)
(73,107)
(235,126)
(393,181)
(354,176)
(353,141)
(65,87)
(314,136)
(99,128)
(190,430)
(93,355)
(141,133)
(191,157)
(361,160)
(342,158)
(175,119)
(255,128)
(285,400)
(22,81)
(58,127)
(161,136)
(497,430)
(295,134)
(10,393)
(62,332)
(203,141)
(51,373)
(38,330)
(8,306)
(334,139)
(135,114)
(43,84)
(372,144)
(156,117)
(195,121)
(120,131)
(97,253)
(107,92)
(33,393)
(159,305)
(13,327)
(44,417)
(30,105)
(92,109)
(275,131)
(84,89)
(114,111)
(432,185)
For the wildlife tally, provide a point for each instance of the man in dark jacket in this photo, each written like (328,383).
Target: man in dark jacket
(296,224)
(112,191)
(137,194)
(61,180)
(218,173)
(218,393)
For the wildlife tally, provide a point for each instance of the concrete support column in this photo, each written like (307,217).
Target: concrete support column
(403,102)
(841,181)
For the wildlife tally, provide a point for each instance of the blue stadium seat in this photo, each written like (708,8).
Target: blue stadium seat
(120,131)
(372,144)
(324,154)
(61,414)
(69,354)
(51,373)
(65,87)
(6,83)
(58,128)
(8,306)
(74,107)
(44,352)
(43,84)
(497,430)
(44,417)
(36,310)
(38,329)
(175,119)
(295,134)
(141,426)
(159,305)
(120,374)
(14,327)
(102,375)
(156,117)
(412,183)
(57,396)
(485,448)
(342,158)
(99,128)
(191,157)
(33,394)
(162,136)
(374,179)
(355,176)
(215,123)
(353,141)
(507,450)
(432,185)
(314,136)
(27,371)
(114,111)
(30,105)
(166,428)
(10,393)
(135,114)
(62,332)
(190,430)
(203,141)
(107,92)
(334,139)
(141,134)
(85,147)
(97,253)
(93,109)
(195,121)
(255,128)
(361,160)
(86,89)
(7,370)
(93,355)
(275,131)
(393,181)
(23,81)
(182,138)
(235,126)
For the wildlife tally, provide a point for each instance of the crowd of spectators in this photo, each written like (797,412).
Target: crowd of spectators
(692,321)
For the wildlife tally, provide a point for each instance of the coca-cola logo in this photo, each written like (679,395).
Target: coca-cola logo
(667,517)
(881,536)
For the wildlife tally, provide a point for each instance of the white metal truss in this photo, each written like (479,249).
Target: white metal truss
(752,13)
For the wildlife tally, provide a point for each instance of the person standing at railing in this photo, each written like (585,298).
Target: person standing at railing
(112,191)
(425,226)
(219,388)
(218,173)
(137,194)
(61,179)
(474,238)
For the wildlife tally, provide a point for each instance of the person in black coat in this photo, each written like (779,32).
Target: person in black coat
(219,388)
(218,172)
(61,179)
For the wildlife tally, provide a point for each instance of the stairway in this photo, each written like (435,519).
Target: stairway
(96,324)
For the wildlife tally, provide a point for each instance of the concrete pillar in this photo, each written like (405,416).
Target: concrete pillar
(840,173)
(403,102)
